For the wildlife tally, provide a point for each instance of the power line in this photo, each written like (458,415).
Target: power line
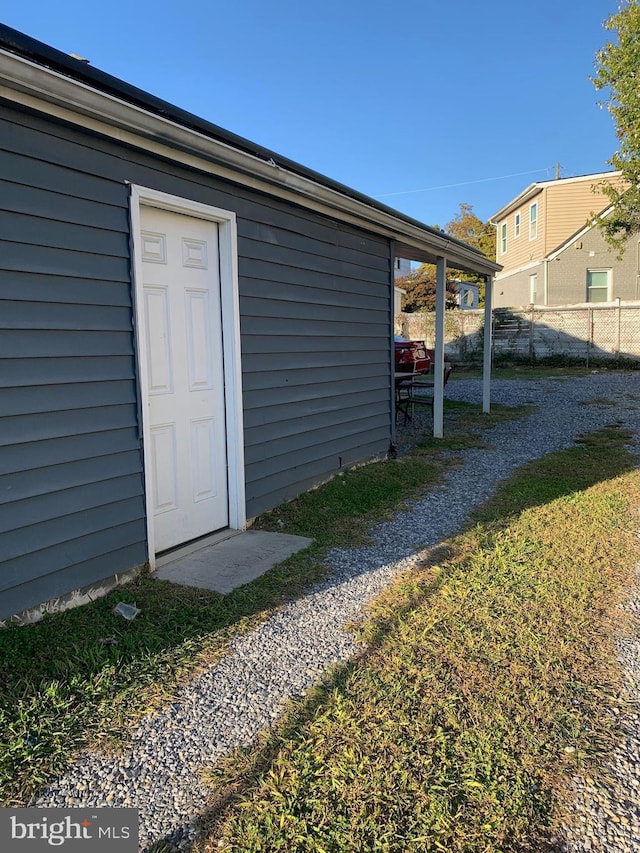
(464,183)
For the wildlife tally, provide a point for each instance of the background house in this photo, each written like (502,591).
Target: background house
(586,269)
(401,267)
(398,293)
(550,256)
(194,328)
(467,295)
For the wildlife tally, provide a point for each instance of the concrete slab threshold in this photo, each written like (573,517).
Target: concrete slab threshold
(232,562)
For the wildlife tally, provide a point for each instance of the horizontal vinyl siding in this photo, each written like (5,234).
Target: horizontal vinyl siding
(521,250)
(64,371)
(569,207)
(71,489)
(316,364)
(315,331)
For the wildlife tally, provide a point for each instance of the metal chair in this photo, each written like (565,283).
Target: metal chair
(411,393)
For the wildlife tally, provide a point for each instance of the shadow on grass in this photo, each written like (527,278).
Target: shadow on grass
(82,677)
(596,458)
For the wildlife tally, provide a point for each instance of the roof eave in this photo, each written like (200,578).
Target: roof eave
(537,187)
(529,192)
(83,92)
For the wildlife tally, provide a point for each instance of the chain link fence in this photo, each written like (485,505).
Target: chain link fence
(584,333)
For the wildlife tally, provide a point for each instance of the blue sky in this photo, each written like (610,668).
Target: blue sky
(422,104)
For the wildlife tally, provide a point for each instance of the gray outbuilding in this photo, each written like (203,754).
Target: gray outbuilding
(194,329)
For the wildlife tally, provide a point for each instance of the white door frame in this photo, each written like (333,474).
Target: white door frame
(230,302)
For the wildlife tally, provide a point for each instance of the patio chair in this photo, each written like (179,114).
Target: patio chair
(418,392)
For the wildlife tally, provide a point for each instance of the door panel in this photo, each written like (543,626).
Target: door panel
(158,340)
(186,403)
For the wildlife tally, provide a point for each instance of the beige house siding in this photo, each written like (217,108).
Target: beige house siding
(566,274)
(564,207)
(569,206)
(520,250)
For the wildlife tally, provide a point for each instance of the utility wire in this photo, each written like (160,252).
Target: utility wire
(464,183)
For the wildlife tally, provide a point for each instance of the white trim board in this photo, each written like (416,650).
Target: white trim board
(227,229)
(504,276)
(25,82)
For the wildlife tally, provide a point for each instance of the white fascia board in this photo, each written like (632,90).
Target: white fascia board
(579,234)
(48,91)
(538,186)
(505,275)
(593,176)
(518,201)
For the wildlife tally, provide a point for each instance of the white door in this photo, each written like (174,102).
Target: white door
(185,402)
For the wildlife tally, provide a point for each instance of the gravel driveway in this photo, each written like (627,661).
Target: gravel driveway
(229,704)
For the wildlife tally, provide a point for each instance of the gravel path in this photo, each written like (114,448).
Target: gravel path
(244,693)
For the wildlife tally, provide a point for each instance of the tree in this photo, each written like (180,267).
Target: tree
(618,73)
(467,227)
(420,286)
(421,283)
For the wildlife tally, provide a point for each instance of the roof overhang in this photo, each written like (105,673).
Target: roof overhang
(526,195)
(39,77)
(534,189)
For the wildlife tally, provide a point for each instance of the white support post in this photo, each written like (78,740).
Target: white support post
(438,367)
(488,332)
(392,353)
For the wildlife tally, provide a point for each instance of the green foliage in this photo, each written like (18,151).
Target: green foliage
(560,359)
(617,65)
(83,677)
(421,284)
(466,226)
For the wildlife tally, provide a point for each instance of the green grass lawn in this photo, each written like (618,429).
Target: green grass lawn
(542,370)
(487,675)
(84,677)
(521,371)
(487,680)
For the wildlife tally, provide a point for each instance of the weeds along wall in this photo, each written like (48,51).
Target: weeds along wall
(584,333)
(464,332)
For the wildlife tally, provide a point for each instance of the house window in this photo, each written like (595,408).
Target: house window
(533,221)
(598,282)
(503,238)
(516,225)
(533,288)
